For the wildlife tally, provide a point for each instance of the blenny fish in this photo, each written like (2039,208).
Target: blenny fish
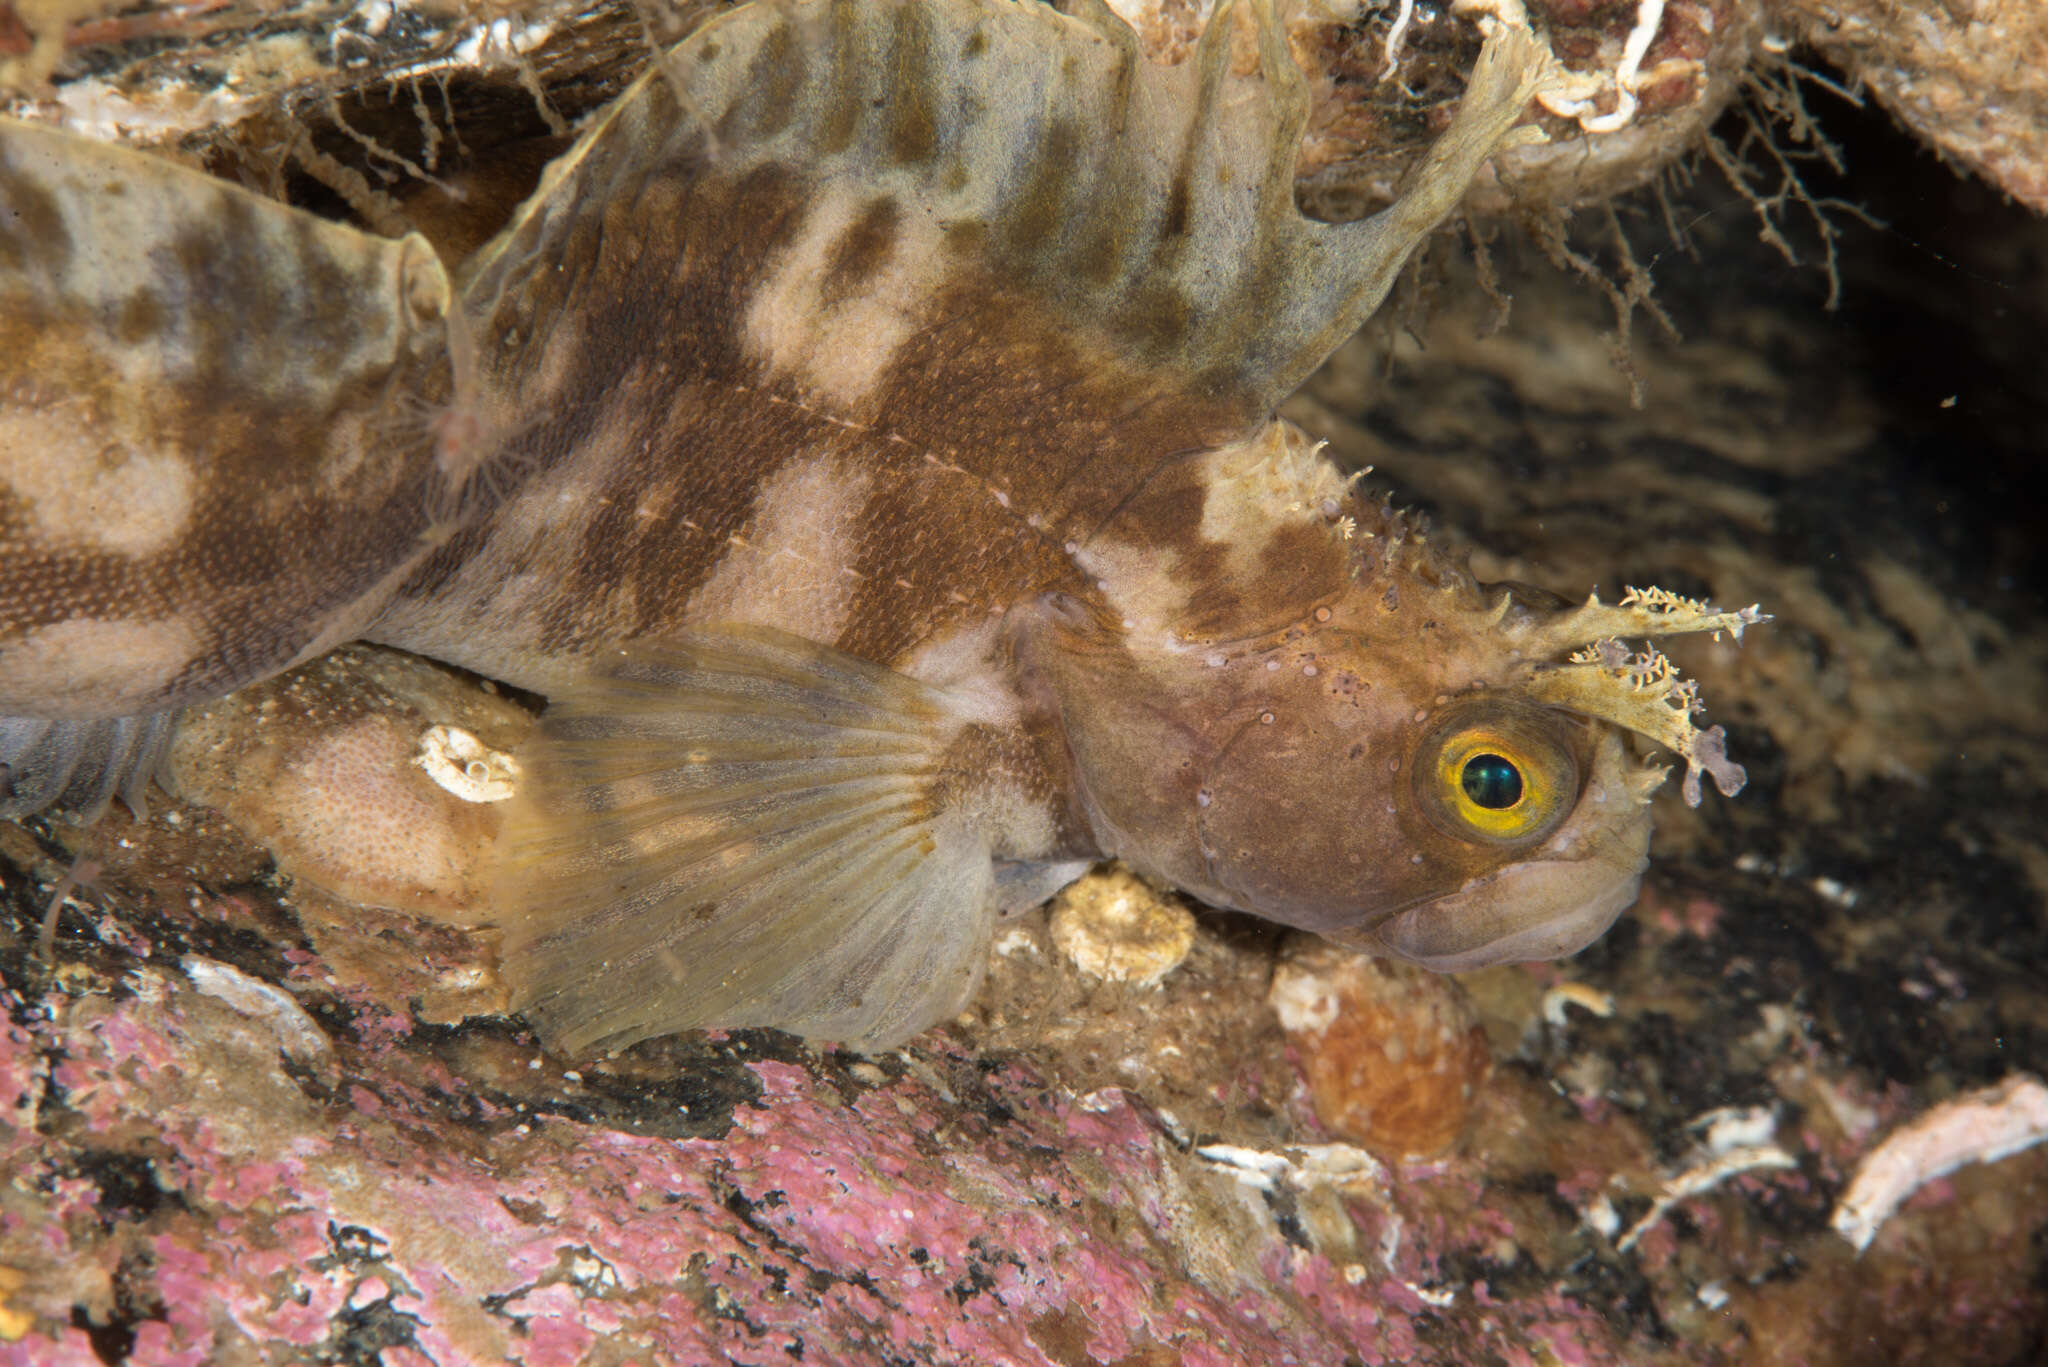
(863,438)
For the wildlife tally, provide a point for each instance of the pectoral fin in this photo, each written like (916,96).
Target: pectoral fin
(740,827)
(77,767)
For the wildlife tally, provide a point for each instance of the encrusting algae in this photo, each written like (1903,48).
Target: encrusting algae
(863,439)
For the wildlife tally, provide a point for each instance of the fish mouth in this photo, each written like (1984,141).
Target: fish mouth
(1553,903)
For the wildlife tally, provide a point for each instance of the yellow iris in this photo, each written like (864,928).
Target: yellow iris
(1497,773)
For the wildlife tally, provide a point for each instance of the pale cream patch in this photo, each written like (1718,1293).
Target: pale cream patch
(349,813)
(842,349)
(80,488)
(978,688)
(968,665)
(88,667)
(1142,588)
(349,443)
(1006,820)
(1276,479)
(793,566)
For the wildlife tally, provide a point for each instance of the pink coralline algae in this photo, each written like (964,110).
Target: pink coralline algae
(184,1190)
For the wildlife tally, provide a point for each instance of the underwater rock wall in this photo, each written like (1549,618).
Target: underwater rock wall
(240,1121)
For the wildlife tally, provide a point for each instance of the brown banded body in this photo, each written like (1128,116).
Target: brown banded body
(886,496)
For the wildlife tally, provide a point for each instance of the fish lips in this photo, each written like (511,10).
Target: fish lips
(1553,903)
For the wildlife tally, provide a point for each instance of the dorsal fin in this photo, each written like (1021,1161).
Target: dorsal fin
(1149,206)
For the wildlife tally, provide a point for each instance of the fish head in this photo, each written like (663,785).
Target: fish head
(1354,737)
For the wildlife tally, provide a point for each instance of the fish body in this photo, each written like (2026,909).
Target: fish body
(863,437)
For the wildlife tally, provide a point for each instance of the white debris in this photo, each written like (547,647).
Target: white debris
(1585,997)
(1840,894)
(464,978)
(1728,1128)
(496,43)
(465,766)
(1601,1217)
(499,36)
(1394,36)
(1255,1168)
(1649,18)
(1978,1127)
(298,1036)
(1575,95)
(1696,1181)
(1016,941)
(1734,1140)
(1299,1167)
(93,108)
(1307,1002)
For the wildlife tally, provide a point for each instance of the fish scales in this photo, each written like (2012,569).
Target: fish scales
(863,439)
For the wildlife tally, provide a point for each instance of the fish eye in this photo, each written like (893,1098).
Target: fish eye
(1497,772)
(1492,781)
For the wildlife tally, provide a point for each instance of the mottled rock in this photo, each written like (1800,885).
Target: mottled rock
(1393,1055)
(372,775)
(1965,75)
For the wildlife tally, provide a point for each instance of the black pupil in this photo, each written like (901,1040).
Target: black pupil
(1491,782)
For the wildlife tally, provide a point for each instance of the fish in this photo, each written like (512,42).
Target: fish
(864,439)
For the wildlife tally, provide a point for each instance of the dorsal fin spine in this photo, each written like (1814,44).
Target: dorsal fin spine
(1501,85)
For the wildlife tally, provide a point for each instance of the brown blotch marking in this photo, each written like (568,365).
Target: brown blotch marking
(1039,207)
(339,307)
(1215,609)
(862,250)
(913,125)
(1299,553)
(267,557)
(1173,239)
(266,560)
(32,233)
(840,119)
(1036,404)
(774,77)
(1105,243)
(142,317)
(966,236)
(222,313)
(1158,321)
(662,370)
(1173,223)
(976,44)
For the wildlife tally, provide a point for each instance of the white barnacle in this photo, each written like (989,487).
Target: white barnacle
(1114,927)
(465,766)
